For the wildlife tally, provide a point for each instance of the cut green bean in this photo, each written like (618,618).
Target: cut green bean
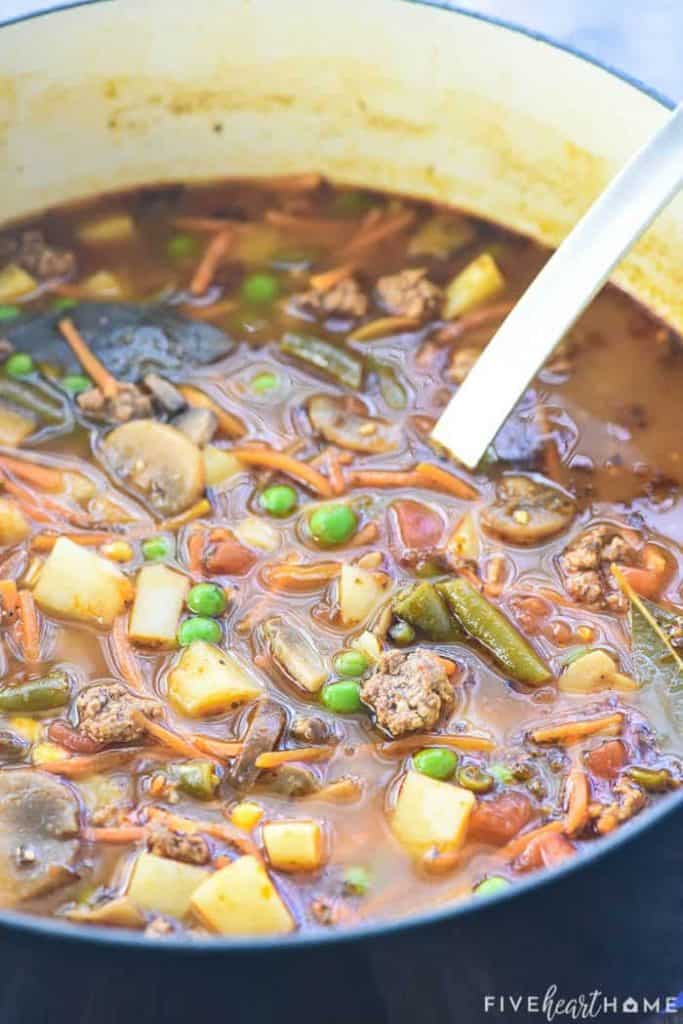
(423,607)
(44,694)
(198,779)
(342,365)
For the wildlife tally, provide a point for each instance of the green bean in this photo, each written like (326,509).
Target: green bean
(51,691)
(390,386)
(651,779)
(423,607)
(474,778)
(342,365)
(197,779)
(485,623)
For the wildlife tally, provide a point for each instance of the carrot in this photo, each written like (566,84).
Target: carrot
(340,791)
(273,459)
(210,312)
(215,829)
(166,737)
(33,473)
(9,600)
(107,384)
(28,626)
(334,472)
(91,764)
(117,834)
(374,231)
(274,758)
(368,534)
(195,549)
(214,253)
(570,732)
(222,749)
(229,425)
(46,541)
(423,475)
(196,511)
(578,797)
(517,845)
(329,278)
(27,501)
(300,579)
(440,480)
(471,321)
(397,748)
(449,667)
(124,655)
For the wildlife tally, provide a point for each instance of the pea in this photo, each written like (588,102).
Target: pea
(651,779)
(157,548)
(351,663)
(262,383)
(260,289)
(501,773)
(402,633)
(8,313)
(76,383)
(333,524)
(51,691)
(342,698)
(62,304)
(357,880)
(474,778)
(437,762)
(279,500)
(197,779)
(199,627)
(207,599)
(494,883)
(182,247)
(19,365)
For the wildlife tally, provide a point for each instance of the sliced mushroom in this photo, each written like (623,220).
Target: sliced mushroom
(339,422)
(159,462)
(526,511)
(39,826)
(165,394)
(291,780)
(295,654)
(265,728)
(199,425)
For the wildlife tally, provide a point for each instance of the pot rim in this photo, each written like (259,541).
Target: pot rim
(49,928)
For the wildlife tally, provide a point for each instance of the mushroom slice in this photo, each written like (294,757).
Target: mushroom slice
(339,422)
(266,725)
(295,654)
(39,826)
(526,511)
(159,462)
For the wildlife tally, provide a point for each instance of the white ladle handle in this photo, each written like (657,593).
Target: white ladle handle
(560,293)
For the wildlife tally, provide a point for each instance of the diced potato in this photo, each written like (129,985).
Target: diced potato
(30,729)
(163,885)
(464,541)
(220,466)
(480,280)
(78,486)
(15,425)
(102,285)
(246,815)
(159,599)
(13,524)
(79,584)
(592,672)
(15,282)
(111,229)
(430,813)
(207,680)
(44,753)
(294,845)
(256,533)
(295,654)
(360,593)
(368,644)
(240,899)
(442,235)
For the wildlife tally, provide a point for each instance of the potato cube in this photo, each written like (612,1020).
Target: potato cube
(430,813)
(256,533)
(240,899)
(79,584)
(13,525)
(220,466)
(110,229)
(163,885)
(159,599)
(15,425)
(294,845)
(15,282)
(480,280)
(207,680)
(360,592)
(594,671)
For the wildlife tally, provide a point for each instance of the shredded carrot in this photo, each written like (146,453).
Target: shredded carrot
(195,550)
(211,311)
(578,797)
(124,654)
(440,480)
(273,459)
(340,791)
(295,578)
(91,764)
(117,834)
(471,321)
(423,475)
(46,541)
(449,667)
(329,278)
(172,740)
(368,534)
(222,749)
(28,631)
(334,472)
(382,327)
(376,231)
(215,252)
(463,741)
(41,476)
(107,384)
(9,600)
(196,511)
(273,758)
(229,425)
(28,502)
(552,463)
(570,732)
(215,829)
(519,844)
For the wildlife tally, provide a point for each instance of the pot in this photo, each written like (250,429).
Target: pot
(407,96)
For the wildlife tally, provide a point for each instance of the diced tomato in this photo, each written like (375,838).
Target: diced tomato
(498,820)
(420,527)
(545,851)
(225,556)
(66,736)
(607,759)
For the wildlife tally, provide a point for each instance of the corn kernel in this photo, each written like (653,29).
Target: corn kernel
(586,634)
(117,551)
(246,815)
(28,728)
(44,753)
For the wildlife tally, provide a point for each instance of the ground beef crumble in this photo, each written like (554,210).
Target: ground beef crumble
(32,252)
(183,846)
(344,298)
(129,403)
(409,293)
(105,713)
(586,565)
(407,691)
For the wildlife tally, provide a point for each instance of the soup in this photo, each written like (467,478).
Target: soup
(272,661)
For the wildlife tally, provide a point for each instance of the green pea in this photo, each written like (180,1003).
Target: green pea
(342,698)
(63,304)
(197,779)
(351,663)
(199,627)
(357,880)
(402,633)
(157,548)
(474,778)
(207,599)
(75,383)
(494,883)
(182,247)
(437,762)
(44,694)
(501,773)
(279,500)
(19,365)
(262,383)
(260,289)
(333,524)
(8,313)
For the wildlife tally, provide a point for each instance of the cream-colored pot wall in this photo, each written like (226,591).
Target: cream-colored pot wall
(390,93)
